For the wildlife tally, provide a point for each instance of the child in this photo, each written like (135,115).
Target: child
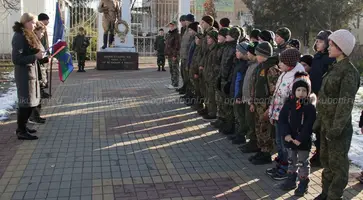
(283,36)
(80,44)
(266,77)
(159,47)
(289,65)
(240,68)
(306,61)
(296,122)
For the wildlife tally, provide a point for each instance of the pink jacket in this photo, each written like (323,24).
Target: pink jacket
(283,91)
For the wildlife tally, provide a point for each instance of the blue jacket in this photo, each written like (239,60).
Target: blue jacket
(298,123)
(239,73)
(319,67)
(191,52)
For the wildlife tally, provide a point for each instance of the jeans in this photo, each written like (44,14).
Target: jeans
(281,150)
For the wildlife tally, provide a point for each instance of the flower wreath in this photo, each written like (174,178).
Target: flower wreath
(126,25)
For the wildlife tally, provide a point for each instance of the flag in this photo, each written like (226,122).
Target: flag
(62,54)
(60,49)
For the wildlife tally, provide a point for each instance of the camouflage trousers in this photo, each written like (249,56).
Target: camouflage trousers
(250,122)
(210,98)
(334,159)
(240,119)
(219,100)
(160,61)
(174,71)
(202,87)
(229,114)
(184,71)
(264,139)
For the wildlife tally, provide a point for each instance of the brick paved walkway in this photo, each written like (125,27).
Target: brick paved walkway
(123,135)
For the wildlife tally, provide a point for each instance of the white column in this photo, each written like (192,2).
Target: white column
(184,8)
(99,31)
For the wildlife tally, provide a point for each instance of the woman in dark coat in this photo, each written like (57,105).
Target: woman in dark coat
(26,49)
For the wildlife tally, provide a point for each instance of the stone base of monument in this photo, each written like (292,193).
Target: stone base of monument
(109,59)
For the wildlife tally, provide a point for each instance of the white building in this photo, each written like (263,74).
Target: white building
(33,6)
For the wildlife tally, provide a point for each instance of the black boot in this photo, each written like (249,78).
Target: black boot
(227,129)
(163,68)
(240,139)
(315,160)
(158,68)
(105,37)
(321,197)
(263,159)
(250,147)
(31,130)
(24,135)
(111,39)
(302,188)
(82,69)
(290,182)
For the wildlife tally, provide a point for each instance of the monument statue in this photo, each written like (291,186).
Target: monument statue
(111,14)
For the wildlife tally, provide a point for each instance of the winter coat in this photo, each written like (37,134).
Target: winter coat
(298,123)
(194,66)
(336,99)
(159,45)
(183,30)
(211,63)
(227,62)
(283,91)
(265,80)
(172,43)
(319,67)
(239,73)
(80,44)
(204,46)
(25,71)
(186,41)
(247,82)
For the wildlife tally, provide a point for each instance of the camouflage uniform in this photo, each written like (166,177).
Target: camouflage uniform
(194,70)
(210,64)
(228,59)
(219,93)
(266,78)
(172,50)
(335,104)
(159,47)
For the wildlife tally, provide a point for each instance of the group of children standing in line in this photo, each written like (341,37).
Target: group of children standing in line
(262,89)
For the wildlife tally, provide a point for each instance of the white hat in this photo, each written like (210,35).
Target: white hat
(344,39)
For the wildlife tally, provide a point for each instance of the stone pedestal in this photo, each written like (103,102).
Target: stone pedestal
(117,60)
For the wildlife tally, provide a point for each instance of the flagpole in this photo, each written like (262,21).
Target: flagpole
(50,76)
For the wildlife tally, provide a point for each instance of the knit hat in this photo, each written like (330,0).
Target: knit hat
(294,43)
(216,25)
(235,33)
(223,31)
(265,35)
(194,26)
(190,18)
(173,22)
(344,39)
(323,35)
(224,22)
(290,57)
(284,33)
(251,48)
(255,33)
(182,18)
(242,47)
(308,59)
(213,34)
(43,16)
(264,49)
(208,19)
(301,80)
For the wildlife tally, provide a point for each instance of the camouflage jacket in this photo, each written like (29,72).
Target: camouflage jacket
(265,79)
(172,43)
(227,62)
(210,63)
(194,67)
(336,98)
(204,46)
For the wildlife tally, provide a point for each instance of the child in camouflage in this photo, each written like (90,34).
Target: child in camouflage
(296,120)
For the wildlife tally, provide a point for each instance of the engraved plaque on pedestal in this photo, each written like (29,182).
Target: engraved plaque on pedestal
(117,60)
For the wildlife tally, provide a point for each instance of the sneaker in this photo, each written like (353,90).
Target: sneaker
(279,175)
(302,188)
(263,159)
(271,171)
(289,183)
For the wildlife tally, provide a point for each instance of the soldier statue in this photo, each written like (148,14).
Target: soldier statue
(111,14)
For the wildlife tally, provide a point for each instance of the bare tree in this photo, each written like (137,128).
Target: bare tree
(10,5)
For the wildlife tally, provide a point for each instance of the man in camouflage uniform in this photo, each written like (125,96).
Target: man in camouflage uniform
(111,13)
(186,41)
(172,50)
(207,25)
(266,77)
(334,120)
(159,47)
(210,63)
(194,73)
(228,60)
(219,93)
